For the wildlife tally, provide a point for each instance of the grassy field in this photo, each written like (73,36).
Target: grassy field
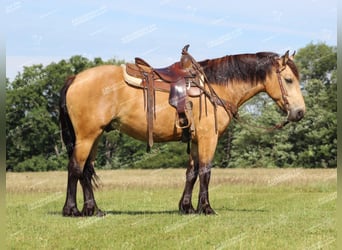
(257,209)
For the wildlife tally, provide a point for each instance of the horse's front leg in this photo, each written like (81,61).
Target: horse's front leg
(185,203)
(206,150)
(203,197)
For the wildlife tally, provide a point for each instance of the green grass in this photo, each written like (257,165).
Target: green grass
(257,209)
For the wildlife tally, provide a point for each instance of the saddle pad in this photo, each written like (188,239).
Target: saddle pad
(133,77)
(131,80)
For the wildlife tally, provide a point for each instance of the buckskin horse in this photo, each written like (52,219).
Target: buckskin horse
(99,99)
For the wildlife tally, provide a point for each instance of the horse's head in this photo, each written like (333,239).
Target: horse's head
(283,87)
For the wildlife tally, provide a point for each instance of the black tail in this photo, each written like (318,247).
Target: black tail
(68,133)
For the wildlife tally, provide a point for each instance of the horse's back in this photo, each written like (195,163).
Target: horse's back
(97,77)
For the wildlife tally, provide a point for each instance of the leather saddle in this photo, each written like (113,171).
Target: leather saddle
(180,79)
(135,74)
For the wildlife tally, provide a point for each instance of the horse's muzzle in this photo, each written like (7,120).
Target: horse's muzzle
(296,115)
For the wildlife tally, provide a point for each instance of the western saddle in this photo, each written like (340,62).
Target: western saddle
(181,79)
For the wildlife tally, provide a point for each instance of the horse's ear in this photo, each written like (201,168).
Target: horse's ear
(285,58)
(293,55)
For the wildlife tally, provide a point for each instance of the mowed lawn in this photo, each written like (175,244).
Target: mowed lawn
(257,209)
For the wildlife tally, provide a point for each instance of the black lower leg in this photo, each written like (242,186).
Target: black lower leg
(70,206)
(185,204)
(89,207)
(203,198)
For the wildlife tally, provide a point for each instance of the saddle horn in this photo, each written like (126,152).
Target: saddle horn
(185,49)
(186,59)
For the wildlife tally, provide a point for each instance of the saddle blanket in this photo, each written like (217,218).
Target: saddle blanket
(139,83)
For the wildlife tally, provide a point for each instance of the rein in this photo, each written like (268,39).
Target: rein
(266,129)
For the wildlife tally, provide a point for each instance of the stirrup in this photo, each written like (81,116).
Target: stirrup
(178,125)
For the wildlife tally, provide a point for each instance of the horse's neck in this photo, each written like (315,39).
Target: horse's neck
(240,92)
(250,92)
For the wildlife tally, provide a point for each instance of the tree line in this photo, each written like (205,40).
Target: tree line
(33,141)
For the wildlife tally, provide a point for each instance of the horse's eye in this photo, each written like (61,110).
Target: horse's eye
(288,80)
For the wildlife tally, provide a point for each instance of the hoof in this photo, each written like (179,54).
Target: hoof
(71,212)
(186,209)
(100,213)
(206,209)
(90,211)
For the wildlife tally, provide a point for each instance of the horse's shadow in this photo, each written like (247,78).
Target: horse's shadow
(244,210)
(127,212)
(169,212)
(140,212)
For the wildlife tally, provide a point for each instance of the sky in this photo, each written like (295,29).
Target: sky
(48,31)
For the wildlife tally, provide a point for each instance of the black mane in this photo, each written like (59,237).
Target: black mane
(244,67)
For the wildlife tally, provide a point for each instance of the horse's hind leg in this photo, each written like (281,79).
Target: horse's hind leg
(185,203)
(70,206)
(90,206)
(76,167)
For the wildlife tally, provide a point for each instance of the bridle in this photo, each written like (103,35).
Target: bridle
(282,89)
(233,112)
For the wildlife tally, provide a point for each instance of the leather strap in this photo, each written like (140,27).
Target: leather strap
(282,89)
(150,109)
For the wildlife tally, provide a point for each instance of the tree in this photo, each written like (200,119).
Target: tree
(317,145)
